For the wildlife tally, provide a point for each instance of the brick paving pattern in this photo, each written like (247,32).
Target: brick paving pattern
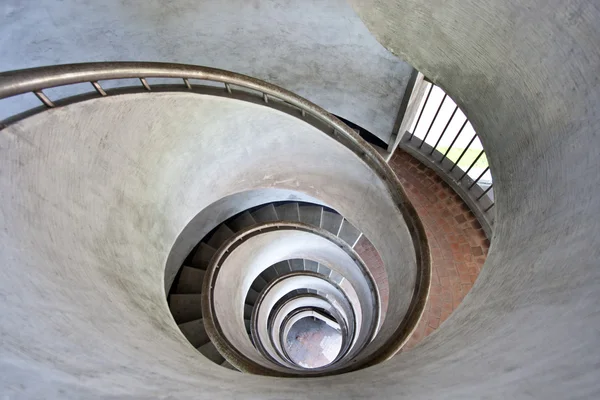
(458,244)
(374,263)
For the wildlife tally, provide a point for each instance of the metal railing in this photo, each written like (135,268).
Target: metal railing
(442,137)
(210,316)
(36,80)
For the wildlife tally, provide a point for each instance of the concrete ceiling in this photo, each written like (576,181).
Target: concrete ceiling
(319,49)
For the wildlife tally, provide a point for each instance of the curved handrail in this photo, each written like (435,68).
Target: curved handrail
(280,304)
(425,141)
(35,80)
(211,323)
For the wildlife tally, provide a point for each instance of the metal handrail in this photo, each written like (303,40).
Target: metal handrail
(473,187)
(213,326)
(36,80)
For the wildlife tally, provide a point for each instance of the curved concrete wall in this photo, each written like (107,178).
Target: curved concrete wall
(93,197)
(527,76)
(318,49)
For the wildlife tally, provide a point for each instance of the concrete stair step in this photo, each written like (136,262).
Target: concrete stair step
(288,212)
(297,265)
(336,277)
(348,233)
(282,268)
(220,236)
(190,280)
(247,311)
(242,221)
(210,351)
(202,257)
(323,270)
(227,365)
(271,273)
(265,214)
(310,214)
(251,297)
(331,221)
(310,265)
(195,332)
(259,284)
(185,307)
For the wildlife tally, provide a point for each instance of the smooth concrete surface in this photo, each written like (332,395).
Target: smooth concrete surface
(218,212)
(93,197)
(249,259)
(527,75)
(288,285)
(319,49)
(312,343)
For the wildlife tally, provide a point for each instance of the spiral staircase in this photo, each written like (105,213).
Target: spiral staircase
(163,238)
(321,287)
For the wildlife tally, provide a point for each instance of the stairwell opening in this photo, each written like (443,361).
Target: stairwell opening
(313,343)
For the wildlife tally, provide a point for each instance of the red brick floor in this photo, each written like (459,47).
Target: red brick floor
(374,263)
(458,244)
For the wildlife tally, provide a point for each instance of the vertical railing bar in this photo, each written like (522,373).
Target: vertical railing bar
(488,208)
(472,164)
(433,120)
(421,113)
(228,87)
(454,140)
(478,178)
(484,192)
(303,112)
(463,153)
(187,83)
(145,83)
(266,98)
(44,99)
(444,131)
(98,88)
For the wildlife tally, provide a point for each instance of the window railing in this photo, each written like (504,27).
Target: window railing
(442,137)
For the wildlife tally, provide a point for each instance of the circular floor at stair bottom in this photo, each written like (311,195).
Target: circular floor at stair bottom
(311,343)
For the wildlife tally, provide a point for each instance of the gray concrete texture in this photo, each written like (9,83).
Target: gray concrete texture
(93,197)
(318,49)
(526,73)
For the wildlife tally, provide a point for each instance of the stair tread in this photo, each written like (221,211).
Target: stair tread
(288,212)
(331,221)
(322,269)
(220,236)
(185,307)
(349,233)
(336,277)
(190,280)
(310,214)
(282,268)
(310,265)
(259,283)
(265,213)
(297,265)
(247,311)
(227,365)
(242,221)
(195,332)
(210,351)
(203,255)
(271,273)
(252,296)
